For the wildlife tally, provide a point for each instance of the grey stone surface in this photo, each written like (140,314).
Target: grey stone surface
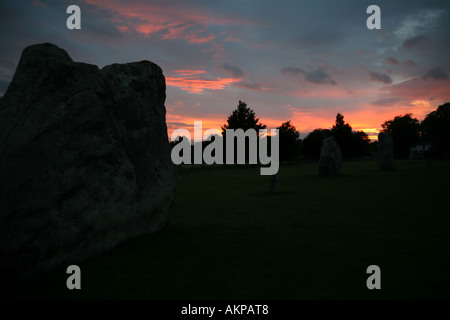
(84,159)
(330,162)
(386,151)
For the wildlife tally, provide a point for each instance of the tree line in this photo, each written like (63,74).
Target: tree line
(406,132)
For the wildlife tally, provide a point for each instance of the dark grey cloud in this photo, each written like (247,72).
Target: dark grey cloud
(313,75)
(387,101)
(380,77)
(391,60)
(409,63)
(8,64)
(252,86)
(7,68)
(436,73)
(234,71)
(395,62)
(319,76)
(320,38)
(415,41)
(291,71)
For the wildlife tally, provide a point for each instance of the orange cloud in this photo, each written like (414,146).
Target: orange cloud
(367,120)
(185,122)
(303,124)
(197,86)
(370,120)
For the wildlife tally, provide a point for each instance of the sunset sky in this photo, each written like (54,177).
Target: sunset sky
(303,61)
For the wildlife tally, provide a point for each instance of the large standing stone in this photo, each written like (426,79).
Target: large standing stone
(385,151)
(330,162)
(84,159)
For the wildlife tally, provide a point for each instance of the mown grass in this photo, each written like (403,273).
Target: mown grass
(229,239)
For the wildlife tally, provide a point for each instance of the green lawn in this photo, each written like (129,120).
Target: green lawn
(229,239)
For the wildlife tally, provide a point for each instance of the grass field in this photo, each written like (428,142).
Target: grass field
(229,239)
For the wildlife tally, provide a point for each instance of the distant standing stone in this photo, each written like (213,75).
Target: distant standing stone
(386,151)
(330,162)
(274,184)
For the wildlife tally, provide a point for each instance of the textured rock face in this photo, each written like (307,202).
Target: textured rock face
(330,162)
(84,159)
(385,151)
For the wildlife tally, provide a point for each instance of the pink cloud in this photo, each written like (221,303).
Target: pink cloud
(209,121)
(188,72)
(197,39)
(168,21)
(124,29)
(420,89)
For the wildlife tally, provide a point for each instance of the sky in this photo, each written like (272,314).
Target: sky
(303,61)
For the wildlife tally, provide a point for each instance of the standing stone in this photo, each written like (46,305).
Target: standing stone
(84,159)
(330,162)
(274,183)
(385,151)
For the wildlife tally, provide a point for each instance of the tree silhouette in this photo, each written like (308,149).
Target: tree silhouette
(344,137)
(405,133)
(436,129)
(289,141)
(313,142)
(243,118)
(361,143)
